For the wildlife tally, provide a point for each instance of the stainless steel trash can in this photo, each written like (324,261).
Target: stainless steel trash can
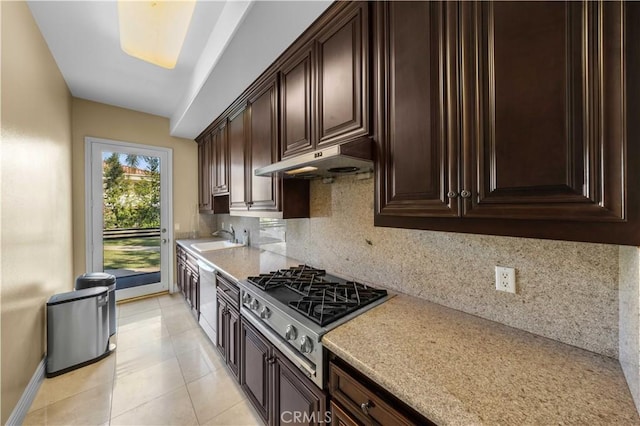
(77,329)
(101,279)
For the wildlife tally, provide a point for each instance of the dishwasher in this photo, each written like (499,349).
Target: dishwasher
(208,299)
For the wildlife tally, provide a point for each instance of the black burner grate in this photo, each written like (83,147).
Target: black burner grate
(323,299)
(327,303)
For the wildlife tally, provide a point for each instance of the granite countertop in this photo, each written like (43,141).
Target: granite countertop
(458,369)
(240,262)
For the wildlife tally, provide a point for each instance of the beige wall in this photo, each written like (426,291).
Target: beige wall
(630,318)
(567,291)
(35,211)
(109,122)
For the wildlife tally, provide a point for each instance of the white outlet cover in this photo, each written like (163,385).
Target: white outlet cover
(506,279)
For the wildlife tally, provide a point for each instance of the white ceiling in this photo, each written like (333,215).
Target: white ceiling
(229,44)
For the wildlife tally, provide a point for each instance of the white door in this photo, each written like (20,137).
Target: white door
(128,215)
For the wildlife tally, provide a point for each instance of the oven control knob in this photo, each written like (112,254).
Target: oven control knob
(255,304)
(306,345)
(291,333)
(246,298)
(265,313)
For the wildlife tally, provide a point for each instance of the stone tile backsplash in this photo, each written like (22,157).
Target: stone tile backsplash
(567,291)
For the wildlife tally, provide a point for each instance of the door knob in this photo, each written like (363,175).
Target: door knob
(164,241)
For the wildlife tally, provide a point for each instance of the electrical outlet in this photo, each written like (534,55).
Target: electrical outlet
(506,279)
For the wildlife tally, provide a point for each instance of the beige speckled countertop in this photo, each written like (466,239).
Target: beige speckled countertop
(240,262)
(458,369)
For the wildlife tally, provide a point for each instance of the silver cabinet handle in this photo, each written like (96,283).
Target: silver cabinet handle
(452,194)
(465,194)
(365,407)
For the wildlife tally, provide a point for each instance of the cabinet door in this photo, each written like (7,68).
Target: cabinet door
(542,117)
(417,103)
(233,344)
(195,289)
(204,173)
(263,146)
(237,153)
(295,102)
(254,367)
(294,393)
(221,325)
(220,159)
(179,269)
(342,77)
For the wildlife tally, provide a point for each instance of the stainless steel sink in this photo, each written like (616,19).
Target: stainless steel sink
(214,245)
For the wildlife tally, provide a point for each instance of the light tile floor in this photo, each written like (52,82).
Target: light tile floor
(165,371)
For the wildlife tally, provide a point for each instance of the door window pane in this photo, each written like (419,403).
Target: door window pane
(131,218)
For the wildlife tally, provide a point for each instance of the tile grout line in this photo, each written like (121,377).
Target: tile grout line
(159,396)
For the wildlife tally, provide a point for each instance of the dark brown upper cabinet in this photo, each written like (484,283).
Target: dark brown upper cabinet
(211,165)
(324,88)
(342,76)
(219,175)
(205,144)
(296,97)
(237,157)
(262,143)
(253,143)
(418,155)
(542,118)
(506,118)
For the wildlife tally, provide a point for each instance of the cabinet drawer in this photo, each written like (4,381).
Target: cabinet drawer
(229,290)
(360,401)
(341,418)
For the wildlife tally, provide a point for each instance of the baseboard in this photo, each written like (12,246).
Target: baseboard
(22,407)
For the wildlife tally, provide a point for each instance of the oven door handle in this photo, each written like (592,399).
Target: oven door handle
(280,344)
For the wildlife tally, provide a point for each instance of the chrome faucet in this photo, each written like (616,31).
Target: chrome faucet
(231,233)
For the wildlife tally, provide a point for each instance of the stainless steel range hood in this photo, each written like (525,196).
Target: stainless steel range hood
(350,157)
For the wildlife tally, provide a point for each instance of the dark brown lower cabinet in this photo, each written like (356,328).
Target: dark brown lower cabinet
(275,387)
(228,332)
(355,400)
(188,279)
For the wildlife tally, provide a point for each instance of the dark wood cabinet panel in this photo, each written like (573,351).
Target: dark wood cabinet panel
(293,393)
(296,97)
(228,331)
(340,417)
(233,352)
(342,76)
(263,146)
(221,325)
(534,105)
(255,367)
(220,160)
(204,173)
(417,104)
(237,154)
(188,280)
(507,118)
(363,402)
(276,387)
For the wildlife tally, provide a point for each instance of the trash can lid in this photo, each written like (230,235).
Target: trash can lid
(76,295)
(95,279)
